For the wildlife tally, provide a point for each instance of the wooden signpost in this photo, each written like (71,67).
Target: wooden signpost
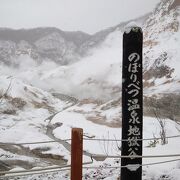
(132,108)
(76,154)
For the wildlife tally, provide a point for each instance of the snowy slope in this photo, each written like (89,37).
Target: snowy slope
(29,113)
(100,71)
(162,55)
(99,120)
(98,75)
(24,117)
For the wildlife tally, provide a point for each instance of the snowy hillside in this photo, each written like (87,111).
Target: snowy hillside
(98,120)
(100,69)
(23,114)
(37,117)
(100,72)
(52,81)
(161,42)
(50,44)
(40,44)
(95,76)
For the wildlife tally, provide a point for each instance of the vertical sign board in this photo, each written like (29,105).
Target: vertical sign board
(132,111)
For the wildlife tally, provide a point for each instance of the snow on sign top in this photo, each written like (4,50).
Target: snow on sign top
(132,25)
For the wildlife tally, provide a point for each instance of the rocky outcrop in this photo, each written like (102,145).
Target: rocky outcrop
(161,44)
(40,44)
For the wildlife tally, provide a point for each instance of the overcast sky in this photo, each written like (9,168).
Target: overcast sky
(85,15)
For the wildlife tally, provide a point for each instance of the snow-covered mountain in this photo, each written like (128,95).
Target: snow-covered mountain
(161,48)
(93,62)
(97,71)
(40,44)
(161,56)
(100,70)
(53,80)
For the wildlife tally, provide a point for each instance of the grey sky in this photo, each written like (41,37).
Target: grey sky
(86,15)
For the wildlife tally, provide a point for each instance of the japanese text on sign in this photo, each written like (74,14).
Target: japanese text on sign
(134,132)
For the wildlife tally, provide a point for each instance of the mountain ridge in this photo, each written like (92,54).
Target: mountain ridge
(96,63)
(66,46)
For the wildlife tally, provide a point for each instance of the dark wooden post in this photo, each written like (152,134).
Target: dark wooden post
(76,153)
(132,108)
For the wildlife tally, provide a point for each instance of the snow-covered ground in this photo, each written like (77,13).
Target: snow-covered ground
(71,119)
(151,130)
(32,122)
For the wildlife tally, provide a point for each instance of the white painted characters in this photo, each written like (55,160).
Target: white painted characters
(134,132)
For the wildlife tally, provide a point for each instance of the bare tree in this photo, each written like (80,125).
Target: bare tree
(162,123)
(4,94)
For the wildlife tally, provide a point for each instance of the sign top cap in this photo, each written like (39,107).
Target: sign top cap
(132,26)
